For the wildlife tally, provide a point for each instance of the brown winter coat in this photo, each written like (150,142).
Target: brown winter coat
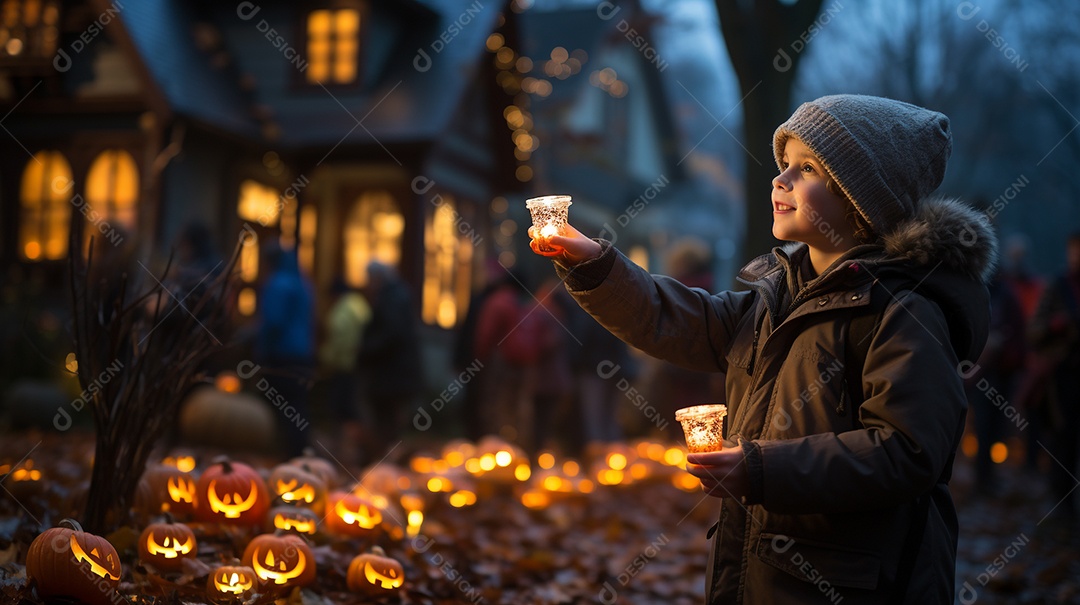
(831,487)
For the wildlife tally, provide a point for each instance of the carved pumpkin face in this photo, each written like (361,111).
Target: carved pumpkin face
(375,574)
(164,488)
(231,492)
(72,563)
(231,505)
(352,515)
(103,562)
(282,561)
(293,518)
(166,545)
(230,583)
(297,485)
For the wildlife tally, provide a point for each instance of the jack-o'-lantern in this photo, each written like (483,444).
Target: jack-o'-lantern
(21,479)
(65,562)
(281,560)
(351,515)
(166,545)
(231,492)
(320,467)
(298,485)
(375,574)
(293,518)
(164,488)
(231,583)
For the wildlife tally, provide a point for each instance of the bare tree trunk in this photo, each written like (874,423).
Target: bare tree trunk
(760,35)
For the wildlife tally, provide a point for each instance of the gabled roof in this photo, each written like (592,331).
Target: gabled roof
(419,57)
(162,32)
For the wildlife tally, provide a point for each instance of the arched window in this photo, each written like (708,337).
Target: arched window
(373,232)
(333,42)
(112,188)
(449,244)
(45,195)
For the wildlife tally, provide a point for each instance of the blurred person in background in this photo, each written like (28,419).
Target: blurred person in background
(345,324)
(285,343)
(1054,336)
(389,358)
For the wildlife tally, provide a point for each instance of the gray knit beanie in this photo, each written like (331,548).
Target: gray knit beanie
(885,155)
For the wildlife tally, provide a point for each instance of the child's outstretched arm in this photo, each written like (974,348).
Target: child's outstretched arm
(658,315)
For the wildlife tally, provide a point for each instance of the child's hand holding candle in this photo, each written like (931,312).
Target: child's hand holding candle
(552,236)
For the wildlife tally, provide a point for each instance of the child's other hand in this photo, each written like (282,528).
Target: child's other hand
(570,246)
(722,474)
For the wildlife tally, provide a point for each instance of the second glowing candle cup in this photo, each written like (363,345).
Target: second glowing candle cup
(703,426)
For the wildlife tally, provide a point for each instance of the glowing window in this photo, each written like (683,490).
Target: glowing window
(112,188)
(259,203)
(373,231)
(309,217)
(45,214)
(333,40)
(29,28)
(449,244)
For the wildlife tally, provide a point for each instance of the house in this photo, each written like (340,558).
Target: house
(406,131)
(350,130)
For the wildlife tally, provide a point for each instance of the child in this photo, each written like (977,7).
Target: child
(840,431)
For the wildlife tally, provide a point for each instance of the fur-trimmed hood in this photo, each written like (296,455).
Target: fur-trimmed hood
(946,232)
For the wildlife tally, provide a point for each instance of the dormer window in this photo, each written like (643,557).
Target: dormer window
(333,45)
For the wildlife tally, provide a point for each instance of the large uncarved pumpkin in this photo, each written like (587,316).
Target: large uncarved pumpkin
(232,421)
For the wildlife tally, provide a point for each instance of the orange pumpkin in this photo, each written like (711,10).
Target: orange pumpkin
(292,518)
(64,562)
(375,574)
(166,545)
(165,488)
(351,515)
(231,492)
(281,560)
(232,584)
(298,485)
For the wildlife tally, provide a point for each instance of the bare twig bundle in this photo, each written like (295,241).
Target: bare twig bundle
(149,335)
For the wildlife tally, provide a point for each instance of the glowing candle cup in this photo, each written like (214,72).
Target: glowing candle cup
(703,426)
(549,214)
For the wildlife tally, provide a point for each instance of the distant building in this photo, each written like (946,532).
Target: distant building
(408,132)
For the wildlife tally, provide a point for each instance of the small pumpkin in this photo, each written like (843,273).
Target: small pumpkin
(288,517)
(297,484)
(231,492)
(351,515)
(375,574)
(165,488)
(281,560)
(165,545)
(68,562)
(232,583)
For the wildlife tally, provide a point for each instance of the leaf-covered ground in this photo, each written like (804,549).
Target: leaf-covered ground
(638,543)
